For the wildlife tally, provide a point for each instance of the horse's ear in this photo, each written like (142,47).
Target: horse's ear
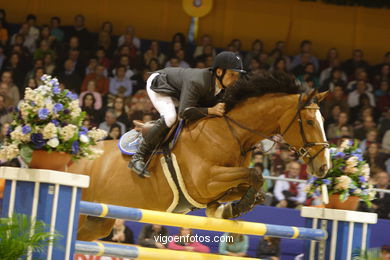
(308,95)
(321,96)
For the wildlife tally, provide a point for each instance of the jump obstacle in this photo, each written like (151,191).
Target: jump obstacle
(54,197)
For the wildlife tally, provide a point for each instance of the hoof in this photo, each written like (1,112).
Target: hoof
(224,211)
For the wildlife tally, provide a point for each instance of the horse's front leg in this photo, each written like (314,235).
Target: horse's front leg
(225,179)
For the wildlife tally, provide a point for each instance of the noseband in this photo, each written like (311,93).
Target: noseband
(303,152)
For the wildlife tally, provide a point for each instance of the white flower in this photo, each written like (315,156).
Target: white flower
(366,171)
(84,139)
(357,191)
(29,94)
(343,182)
(17,134)
(352,161)
(54,142)
(49,131)
(97,134)
(344,145)
(68,132)
(44,90)
(9,152)
(350,169)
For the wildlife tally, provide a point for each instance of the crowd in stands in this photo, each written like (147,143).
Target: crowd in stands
(109,74)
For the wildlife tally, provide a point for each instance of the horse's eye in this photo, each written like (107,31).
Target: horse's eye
(310,122)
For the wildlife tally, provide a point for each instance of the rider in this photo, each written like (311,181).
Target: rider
(195,91)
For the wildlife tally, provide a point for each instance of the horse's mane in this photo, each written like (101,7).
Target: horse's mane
(258,85)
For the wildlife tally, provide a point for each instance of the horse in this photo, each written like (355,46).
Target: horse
(212,154)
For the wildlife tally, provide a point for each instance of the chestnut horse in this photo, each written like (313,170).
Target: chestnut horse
(209,154)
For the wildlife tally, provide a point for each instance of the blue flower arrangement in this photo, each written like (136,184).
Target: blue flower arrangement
(349,175)
(50,119)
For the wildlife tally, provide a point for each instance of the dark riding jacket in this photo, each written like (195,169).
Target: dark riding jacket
(194,88)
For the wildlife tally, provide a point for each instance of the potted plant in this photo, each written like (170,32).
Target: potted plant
(18,234)
(48,124)
(347,181)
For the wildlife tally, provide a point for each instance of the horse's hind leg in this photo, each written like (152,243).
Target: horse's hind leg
(93,228)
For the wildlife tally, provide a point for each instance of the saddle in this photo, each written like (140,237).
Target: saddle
(129,142)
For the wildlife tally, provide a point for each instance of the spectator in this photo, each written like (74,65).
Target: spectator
(368,124)
(5,115)
(102,83)
(81,32)
(290,194)
(109,120)
(375,158)
(329,62)
(91,67)
(305,56)
(268,248)
(149,233)
(105,42)
(381,203)
(45,35)
(280,159)
(33,31)
(334,129)
(335,98)
(309,72)
(49,64)
(154,65)
(156,52)
(280,64)
(205,40)
(56,32)
(44,48)
(91,88)
(173,62)
(336,78)
(16,68)
(280,47)
(124,61)
(69,77)
(114,133)
(9,89)
(120,85)
(129,31)
(88,106)
(361,75)
(185,241)
(120,111)
(355,62)
(384,75)
(361,88)
(120,233)
(256,50)
(234,244)
(371,137)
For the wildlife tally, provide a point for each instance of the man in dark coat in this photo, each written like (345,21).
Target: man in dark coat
(195,91)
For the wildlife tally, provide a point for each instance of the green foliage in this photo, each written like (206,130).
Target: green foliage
(15,238)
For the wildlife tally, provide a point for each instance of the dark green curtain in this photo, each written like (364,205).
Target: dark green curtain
(365,3)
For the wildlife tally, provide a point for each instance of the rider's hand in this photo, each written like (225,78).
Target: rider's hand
(218,109)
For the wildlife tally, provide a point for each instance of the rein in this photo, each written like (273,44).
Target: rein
(302,152)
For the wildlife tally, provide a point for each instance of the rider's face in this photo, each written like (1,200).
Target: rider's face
(229,78)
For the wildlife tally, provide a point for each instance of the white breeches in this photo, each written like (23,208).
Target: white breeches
(164,104)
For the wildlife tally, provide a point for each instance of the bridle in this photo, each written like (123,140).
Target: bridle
(303,152)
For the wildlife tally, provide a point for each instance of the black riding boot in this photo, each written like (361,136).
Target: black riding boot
(153,138)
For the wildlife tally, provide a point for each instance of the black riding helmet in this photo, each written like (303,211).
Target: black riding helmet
(227,60)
